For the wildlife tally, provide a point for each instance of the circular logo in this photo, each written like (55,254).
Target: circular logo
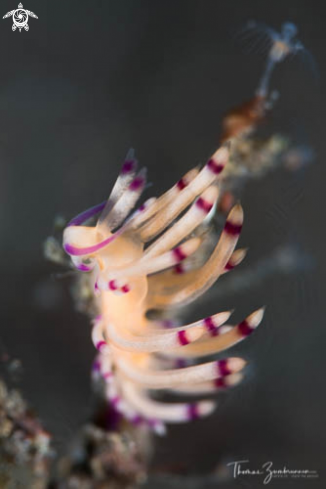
(20,18)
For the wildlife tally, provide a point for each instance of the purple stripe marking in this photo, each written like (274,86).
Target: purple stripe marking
(96,366)
(153,422)
(204,205)
(100,344)
(107,375)
(75,251)
(220,383)
(229,266)
(137,420)
(192,411)
(214,167)
(233,229)
(112,285)
(210,326)
(128,166)
(179,269)
(115,400)
(178,253)
(83,268)
(182,337)
(168,323)
(245,329)
(180,363)
(181,184)
(136,184)
(223,368)
(92,211)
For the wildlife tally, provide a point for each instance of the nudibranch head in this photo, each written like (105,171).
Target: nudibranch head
(144,260)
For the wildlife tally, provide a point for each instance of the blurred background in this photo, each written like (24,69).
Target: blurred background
(92,79)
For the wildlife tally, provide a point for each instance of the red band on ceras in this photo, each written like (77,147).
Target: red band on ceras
(215,167)
(112,285)
(136,184)
(182,337)
(245,329)
(179,269)
(179,254)
(192,411)
(229,266)
(181,184)
(128,166)
(204,205)
(223,369)
(232,229)
(210,326)
(220,383)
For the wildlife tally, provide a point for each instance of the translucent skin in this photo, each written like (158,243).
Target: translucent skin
(138,354)
(126,308)
(279,46)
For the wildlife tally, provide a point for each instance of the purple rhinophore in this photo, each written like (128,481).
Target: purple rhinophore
(232,229)
(182,337)
(75,251)
(210,326)
(80,218)
(244,328)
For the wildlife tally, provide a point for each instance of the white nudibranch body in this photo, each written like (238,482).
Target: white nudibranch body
(138,355)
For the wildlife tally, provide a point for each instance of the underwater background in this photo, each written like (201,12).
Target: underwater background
(92,79)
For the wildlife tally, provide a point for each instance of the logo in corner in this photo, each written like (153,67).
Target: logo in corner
(20,18)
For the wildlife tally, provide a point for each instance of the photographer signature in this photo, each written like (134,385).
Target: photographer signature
(269,472)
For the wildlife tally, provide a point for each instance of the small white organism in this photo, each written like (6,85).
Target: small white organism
(278,46)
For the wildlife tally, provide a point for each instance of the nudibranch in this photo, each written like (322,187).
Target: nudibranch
(146,261)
